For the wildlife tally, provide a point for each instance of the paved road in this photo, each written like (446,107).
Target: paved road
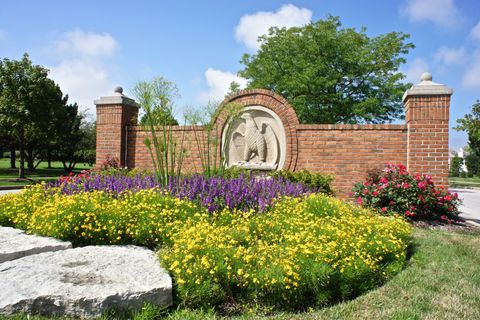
(470,209)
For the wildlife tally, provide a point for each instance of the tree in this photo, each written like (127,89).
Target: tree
(470,123)
(162,95)
(456,166)
(40,132)
(28,98)
(31,105)
(68,136)
(332,74)
(88,144)
(472,161)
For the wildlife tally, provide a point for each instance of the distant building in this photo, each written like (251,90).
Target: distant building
(461,154)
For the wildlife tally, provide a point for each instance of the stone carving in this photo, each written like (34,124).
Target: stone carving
(255,140)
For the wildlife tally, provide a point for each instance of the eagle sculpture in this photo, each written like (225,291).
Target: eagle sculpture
(261,143)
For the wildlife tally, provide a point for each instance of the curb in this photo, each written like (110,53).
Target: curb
(473,223)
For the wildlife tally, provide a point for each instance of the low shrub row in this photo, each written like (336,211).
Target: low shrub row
(302,252)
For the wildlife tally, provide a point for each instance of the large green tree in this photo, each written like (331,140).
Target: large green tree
(470,123)
(29,104)
(332,74)
(27,98)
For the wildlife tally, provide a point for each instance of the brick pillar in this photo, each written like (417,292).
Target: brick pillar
(114,114)
(427,108)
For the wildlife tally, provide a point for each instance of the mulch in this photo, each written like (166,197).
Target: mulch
(457,226)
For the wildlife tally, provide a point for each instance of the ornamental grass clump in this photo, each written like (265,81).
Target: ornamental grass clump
(395,190)
(302,253)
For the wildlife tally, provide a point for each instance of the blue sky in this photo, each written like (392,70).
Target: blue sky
(92,46)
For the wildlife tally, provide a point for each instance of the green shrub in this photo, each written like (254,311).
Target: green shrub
(395,190)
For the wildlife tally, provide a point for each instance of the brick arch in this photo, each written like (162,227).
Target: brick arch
(274,102)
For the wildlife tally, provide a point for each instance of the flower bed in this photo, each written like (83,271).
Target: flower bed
(301,252)
(216,193)
(304,252)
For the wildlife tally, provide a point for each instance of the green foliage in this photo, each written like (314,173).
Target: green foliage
(156,98)
(317,181)
(472,162)
(470,123)
(332,74)
(455,167)
(395,191)
(207,137)
(29,101)
(160,117)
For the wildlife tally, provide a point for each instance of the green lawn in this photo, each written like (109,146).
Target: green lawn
(41,173)
(441,281)
(464,182)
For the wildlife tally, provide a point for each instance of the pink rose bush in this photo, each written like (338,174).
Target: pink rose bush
(395,190)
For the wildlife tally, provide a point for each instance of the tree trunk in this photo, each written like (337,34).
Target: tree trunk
(49,158)
(21,169)
(13,156)
(30,160)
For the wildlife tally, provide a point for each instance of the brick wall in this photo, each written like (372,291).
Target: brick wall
(427,121)
(346,151)
(185,137)
(349,151)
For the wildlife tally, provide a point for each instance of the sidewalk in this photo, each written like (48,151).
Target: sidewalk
(470,209)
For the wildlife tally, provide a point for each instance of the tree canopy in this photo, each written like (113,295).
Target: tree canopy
(332,74)
(34,111)
(157,100)
(470,123)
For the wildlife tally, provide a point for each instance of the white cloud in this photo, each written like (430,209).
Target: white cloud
(86,44)
(83,71)
(415,69)
(446,55)
(443,13)
(83,81)
(252,26)
(471,77)
(475,33)
(219,83)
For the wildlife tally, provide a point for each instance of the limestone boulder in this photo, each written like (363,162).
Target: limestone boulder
(84,282)
(15,243)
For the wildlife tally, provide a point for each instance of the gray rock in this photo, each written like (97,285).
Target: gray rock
(15,244)
(83,282)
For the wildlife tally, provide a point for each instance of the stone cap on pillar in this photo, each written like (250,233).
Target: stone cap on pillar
(427,88)
(117,98)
